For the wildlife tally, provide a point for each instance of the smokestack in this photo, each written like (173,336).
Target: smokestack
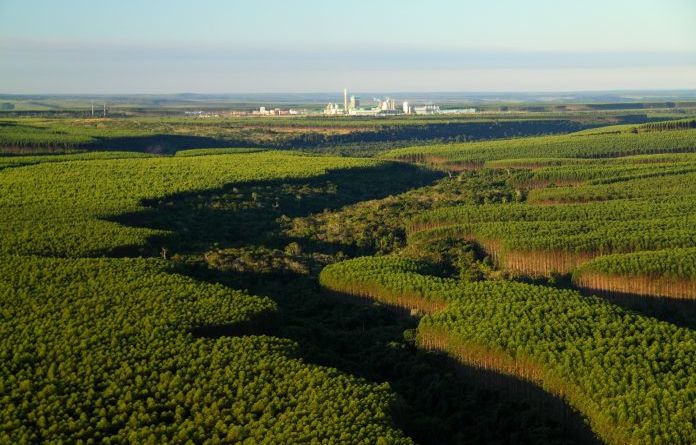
(345,100)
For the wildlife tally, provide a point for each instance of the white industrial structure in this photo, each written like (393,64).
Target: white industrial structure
(427,109)
(332,109)
(345,100)
(406,108)
(459,111)
(387,105)
(351,107)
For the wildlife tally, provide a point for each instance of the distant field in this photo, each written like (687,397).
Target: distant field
(595,102)
(169,134)
(622,141)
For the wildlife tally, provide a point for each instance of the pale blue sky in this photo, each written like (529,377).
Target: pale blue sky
(160,46)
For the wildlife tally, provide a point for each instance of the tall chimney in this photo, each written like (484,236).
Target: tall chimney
(345,100)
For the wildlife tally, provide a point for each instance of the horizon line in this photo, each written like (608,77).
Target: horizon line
(179,93)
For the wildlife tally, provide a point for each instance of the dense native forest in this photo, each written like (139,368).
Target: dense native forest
(520,279)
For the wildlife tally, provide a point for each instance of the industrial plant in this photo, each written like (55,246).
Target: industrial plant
(351,107)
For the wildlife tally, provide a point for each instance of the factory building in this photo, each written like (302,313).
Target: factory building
(427,109)
(406,108)
(354,102)
(387,104)
(459,111)
(332,109)
(351,107)
(364,112)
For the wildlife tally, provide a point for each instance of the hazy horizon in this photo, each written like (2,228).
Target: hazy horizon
(80,47)
(659,92)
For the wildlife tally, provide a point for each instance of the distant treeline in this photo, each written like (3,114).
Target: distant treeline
(450,131)
(681,124)
(640,105)
(341,136)
(170,137)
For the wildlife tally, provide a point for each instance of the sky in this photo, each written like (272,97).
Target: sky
(242,46)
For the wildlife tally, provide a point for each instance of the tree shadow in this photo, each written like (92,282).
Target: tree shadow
(160,143)
(264,323)
(439,401)
(447,401)
(251,212)
(313,140)
(376,138)
(678,311)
